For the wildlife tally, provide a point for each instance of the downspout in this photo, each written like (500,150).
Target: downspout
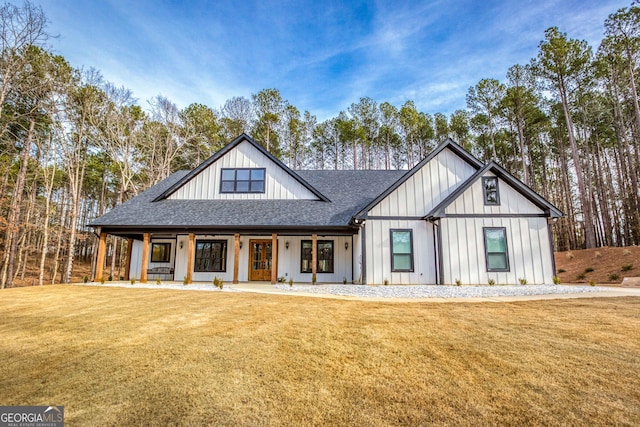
(364,253)
(437,249)
(553,255)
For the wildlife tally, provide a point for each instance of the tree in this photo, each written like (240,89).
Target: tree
(269,107)
(485,98)
(563,64)
(237,117)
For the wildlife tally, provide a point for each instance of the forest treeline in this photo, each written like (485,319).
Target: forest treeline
(73,146)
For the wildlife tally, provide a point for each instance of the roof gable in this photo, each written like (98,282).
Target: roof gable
(202,183)
(460,152)
(493,169)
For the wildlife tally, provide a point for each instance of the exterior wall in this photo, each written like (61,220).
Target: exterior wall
(288,259)
(426,188)
(136,259)
(378,241)
(471,201)
(528,247)
(278,183)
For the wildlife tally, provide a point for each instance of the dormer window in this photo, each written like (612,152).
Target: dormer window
(490,190)
(242,180)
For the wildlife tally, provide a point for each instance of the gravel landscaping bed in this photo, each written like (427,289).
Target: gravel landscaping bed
(434,291)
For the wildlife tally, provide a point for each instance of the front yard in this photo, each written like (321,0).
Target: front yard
(116,356)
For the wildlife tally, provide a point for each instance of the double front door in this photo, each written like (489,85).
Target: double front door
(260,259)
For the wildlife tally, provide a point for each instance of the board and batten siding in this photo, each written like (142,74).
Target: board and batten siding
(528,250)
(471,201)
(289,260)
(378,253)
(426,187)
(279,185)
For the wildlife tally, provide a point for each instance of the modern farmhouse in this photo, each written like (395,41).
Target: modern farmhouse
(242,215)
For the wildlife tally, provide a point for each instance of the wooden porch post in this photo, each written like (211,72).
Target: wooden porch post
(274,258)
(236,257)
(145,257)
(191,255)
(100,261)
(127,264)
(314,255)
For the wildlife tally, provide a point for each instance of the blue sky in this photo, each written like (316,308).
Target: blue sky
(321,55)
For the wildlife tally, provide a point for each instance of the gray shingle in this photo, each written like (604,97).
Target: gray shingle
(349,191)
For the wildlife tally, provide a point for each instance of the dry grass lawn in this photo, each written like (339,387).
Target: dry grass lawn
(116,356)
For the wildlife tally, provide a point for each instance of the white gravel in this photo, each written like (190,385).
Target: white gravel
(434,291)
(414,291)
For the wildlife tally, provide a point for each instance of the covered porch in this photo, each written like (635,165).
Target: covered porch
(331,256)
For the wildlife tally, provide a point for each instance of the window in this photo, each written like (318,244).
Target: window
(324,262)
(160,252)
(401,250)
(490,190)
(211,255)
(495,245)
(242,181)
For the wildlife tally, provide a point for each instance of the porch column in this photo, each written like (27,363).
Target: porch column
(236,257)
(314,255)
(100,261)
(145,257)
(274,258)
(127,264)
(190,257)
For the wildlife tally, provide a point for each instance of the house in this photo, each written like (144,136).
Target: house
(242,215)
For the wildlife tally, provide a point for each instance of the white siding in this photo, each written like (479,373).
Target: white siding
(471,201)
(136,260)
(288,259)
(528,246)
(279,184)
(426,188)
(378,241)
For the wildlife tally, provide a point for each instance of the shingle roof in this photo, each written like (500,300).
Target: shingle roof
(348,192)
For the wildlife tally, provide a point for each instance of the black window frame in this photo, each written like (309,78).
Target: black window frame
(506,250)
(250,181)
(393,253)
(485,193)
(318,243)
(223,264)
(166,252)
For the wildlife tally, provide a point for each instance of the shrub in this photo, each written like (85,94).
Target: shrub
(458,282)
(344,280)
(588,269)
(102,280)
(158,281)
(314,278)
(218,283)
(570,255)
(627,267)
(85,279)
(580,276)
(556,280)
(110,278)
(386,282)
(597,254)
(614,277)
(185,281)
(290,282)
(523,281)
(133,280)
(491,282)
(282,279)
(561,270)
(592,283)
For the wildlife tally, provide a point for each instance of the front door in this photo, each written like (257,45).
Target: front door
(260,256)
